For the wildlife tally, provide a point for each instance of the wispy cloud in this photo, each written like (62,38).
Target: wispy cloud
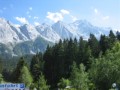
(63,11)
(17,25)
(100,18)
(54,16)
(96,11)
(22,20)
(106,17)
(36,23)
(29,16)
(27,12)
(35,17)
(73,18)
(106,21)
(30,8)
(60,16)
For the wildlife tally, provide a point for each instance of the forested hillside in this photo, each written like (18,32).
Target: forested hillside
(78,64)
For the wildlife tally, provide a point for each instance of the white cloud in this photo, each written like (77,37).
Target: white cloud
(17,25)
(30,8)
(74,18)
(105,17)
(60,16)
(29,16)
(57,16)
(36,23)
(54,16)
(63,11)
(35,17)
(21,20)
(96,11)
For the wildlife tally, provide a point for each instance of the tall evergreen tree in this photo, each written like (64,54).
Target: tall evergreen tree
(118,35)
(1,78)
(76,49)
(36,66)
(82,45)
(42,83)
(104,43)
(17,71)
(7,74)
(58,59)
(48,65)
(55,64)
(112,38)
(94,45)
(84,53)
(70,56)
(1,65)
(25,76)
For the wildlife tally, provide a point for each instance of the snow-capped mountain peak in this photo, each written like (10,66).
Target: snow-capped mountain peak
(48,33)
(82,22)
(7,35)
(53,33)
(29,31)
(11,35)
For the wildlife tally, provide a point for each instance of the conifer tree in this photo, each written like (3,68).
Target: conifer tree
(104,43)
(48,65)
(42,83)
(84,52)
(25,76)
(70,56)
(112,38)
(1,65)
(1,78)
(36,66)
(58,59)
(118,35)
(94,45)
(17,71)
(64,83)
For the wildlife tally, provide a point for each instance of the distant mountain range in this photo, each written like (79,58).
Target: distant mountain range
(30,39)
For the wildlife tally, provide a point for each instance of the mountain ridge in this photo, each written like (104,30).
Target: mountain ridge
(12,36)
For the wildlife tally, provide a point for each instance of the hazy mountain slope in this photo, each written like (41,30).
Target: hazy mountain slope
(31,47)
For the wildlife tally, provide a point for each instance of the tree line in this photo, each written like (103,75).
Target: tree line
(91,64)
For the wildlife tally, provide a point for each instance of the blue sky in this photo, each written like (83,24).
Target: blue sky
(104,13)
